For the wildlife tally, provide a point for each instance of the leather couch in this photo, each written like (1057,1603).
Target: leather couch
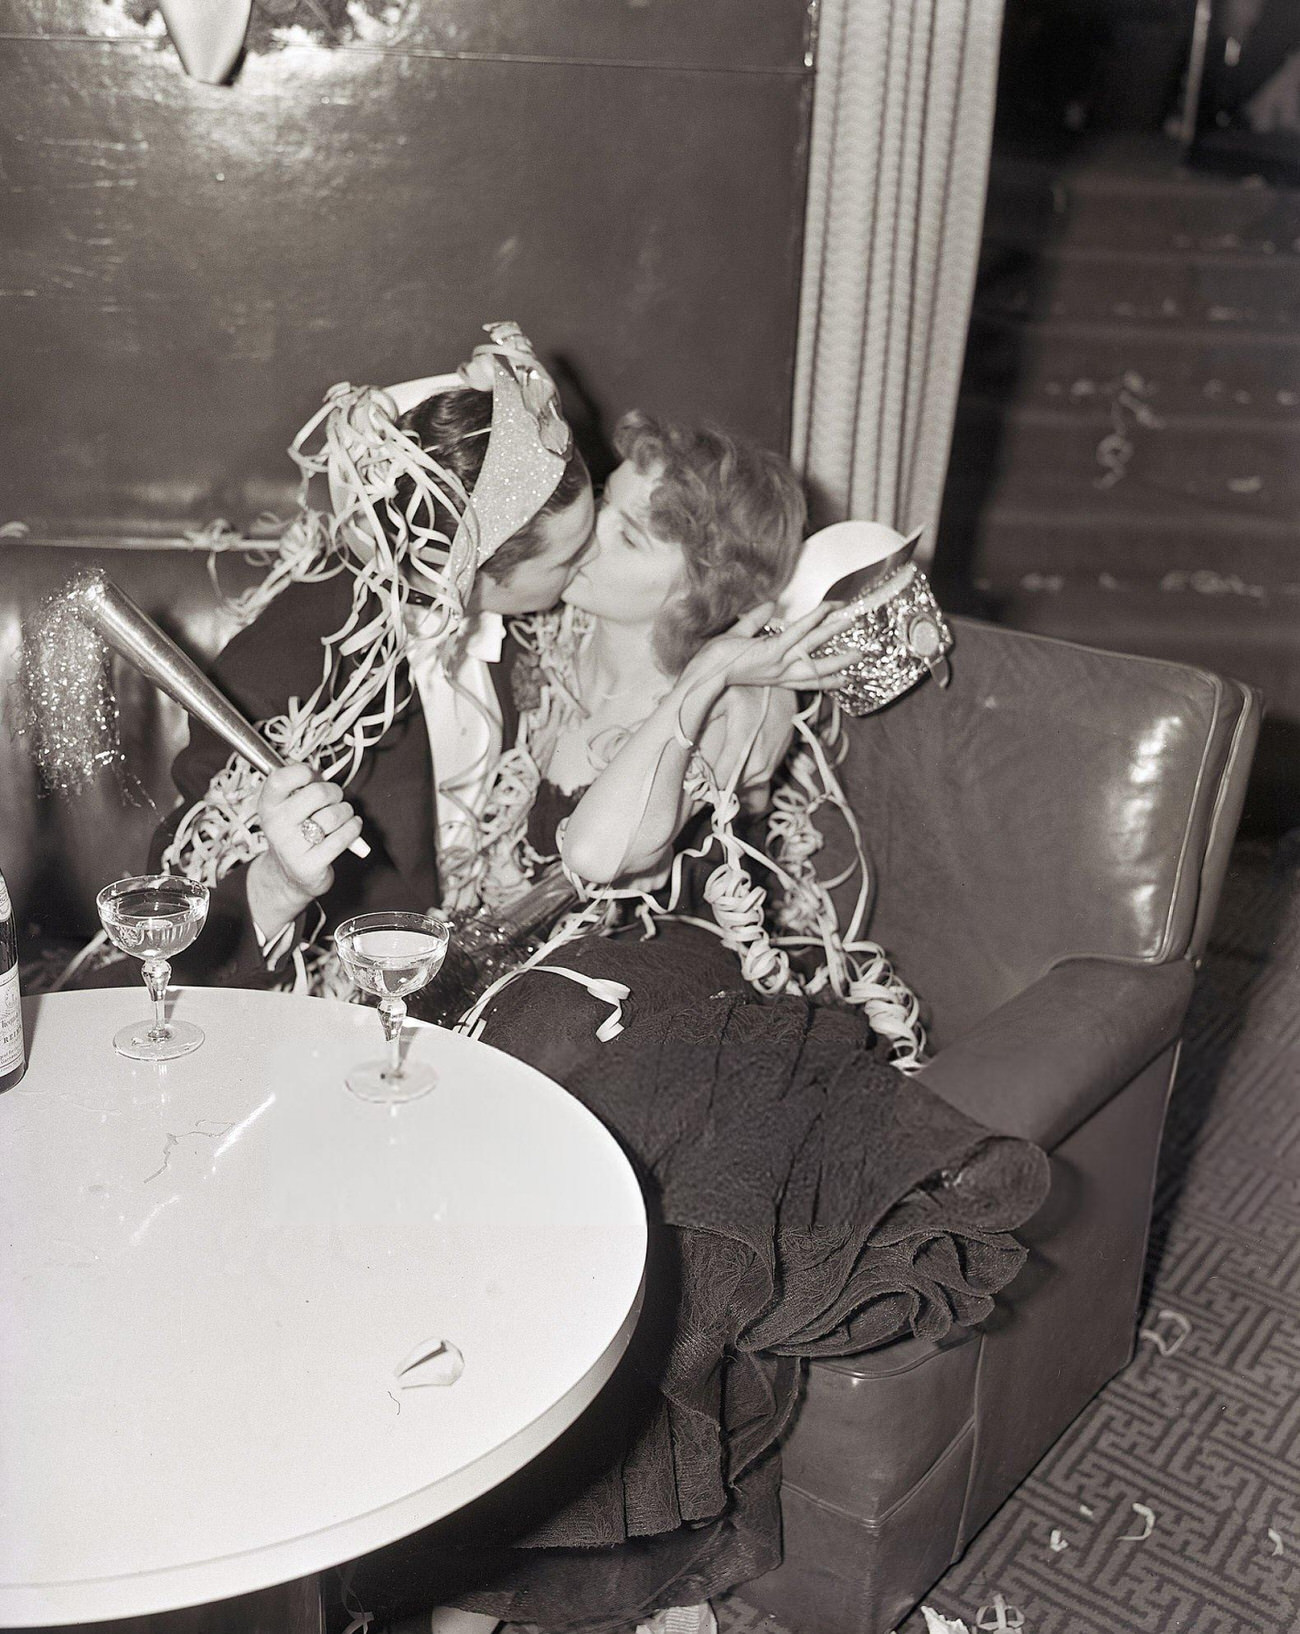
(1049,837)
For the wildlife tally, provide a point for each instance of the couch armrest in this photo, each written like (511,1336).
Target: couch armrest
(1041,1063)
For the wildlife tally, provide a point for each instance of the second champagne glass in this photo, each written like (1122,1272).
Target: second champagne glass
(390,955)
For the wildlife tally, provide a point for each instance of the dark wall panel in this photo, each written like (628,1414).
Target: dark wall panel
(730,34)
(185,268)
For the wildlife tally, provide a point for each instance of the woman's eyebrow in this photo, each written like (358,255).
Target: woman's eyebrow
(636,522)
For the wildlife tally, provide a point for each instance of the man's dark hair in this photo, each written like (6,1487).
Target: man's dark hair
(453,427)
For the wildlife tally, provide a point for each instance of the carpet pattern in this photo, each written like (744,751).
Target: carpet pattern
(1203,1428)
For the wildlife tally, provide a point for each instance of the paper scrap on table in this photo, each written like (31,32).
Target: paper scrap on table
(432,1362)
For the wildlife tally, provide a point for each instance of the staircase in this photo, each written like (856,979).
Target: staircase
(1126,464)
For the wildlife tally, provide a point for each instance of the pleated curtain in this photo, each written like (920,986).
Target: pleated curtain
(902,126)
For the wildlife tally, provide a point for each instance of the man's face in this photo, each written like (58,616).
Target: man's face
(539,581)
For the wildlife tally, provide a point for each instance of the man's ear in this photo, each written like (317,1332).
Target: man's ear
(481,593)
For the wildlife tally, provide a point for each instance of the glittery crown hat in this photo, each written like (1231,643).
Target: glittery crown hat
(528,446)
(368,452)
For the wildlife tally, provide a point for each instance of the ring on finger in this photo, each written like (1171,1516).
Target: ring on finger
(311,831)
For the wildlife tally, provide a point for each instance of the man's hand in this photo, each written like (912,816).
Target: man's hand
(307,824)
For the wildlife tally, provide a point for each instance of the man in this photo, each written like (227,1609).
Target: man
(381,664)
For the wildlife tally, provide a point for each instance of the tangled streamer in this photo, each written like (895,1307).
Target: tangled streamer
(389,550)
(802,949)
(794,945)
(68,705)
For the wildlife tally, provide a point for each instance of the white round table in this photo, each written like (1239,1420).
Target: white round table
(215,1269)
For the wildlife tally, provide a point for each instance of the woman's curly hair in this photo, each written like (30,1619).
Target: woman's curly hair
(737,512)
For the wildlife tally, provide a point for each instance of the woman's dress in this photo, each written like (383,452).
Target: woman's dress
(806,1199)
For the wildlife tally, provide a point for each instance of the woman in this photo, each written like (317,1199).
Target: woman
(807,1198)
(651,732)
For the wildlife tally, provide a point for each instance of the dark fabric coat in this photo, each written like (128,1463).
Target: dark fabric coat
(277,657)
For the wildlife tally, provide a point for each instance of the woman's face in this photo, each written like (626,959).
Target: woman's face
(630,572)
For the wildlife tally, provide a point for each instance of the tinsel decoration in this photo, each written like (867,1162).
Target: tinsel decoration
(69,709)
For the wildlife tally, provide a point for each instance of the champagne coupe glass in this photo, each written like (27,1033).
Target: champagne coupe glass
(151,917)
(391,955)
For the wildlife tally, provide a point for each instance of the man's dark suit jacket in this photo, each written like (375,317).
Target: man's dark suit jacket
(277,657)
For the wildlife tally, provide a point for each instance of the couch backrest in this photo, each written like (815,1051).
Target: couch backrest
(1052,801)
(56,851)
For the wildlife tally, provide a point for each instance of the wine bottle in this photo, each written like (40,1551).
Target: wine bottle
(13,1056)
(488,945)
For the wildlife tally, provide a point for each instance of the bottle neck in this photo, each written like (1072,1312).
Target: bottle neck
(540,906)
(8,931)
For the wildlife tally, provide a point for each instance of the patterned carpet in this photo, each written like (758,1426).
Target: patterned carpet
(1203,1428)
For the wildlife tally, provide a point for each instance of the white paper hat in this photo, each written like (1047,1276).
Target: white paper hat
(843,562)
(528,447)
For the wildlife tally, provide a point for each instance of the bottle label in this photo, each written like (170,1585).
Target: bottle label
(6,907)
(11,1022)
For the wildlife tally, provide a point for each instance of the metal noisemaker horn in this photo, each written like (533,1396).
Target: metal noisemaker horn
(94,604)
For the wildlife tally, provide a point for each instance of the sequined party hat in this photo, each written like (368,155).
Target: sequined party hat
(367,453)
(528,445)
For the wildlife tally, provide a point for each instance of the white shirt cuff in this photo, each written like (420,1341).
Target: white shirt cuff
(276,947)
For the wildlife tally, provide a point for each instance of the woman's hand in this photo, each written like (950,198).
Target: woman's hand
(741,657)
(625,825)
(307,824)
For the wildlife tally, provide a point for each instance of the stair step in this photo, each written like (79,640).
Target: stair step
(1124,470)
(1002,547)
(1151,205)
(1045,365)
(1198,292)
(1058,461)
(1094,404)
